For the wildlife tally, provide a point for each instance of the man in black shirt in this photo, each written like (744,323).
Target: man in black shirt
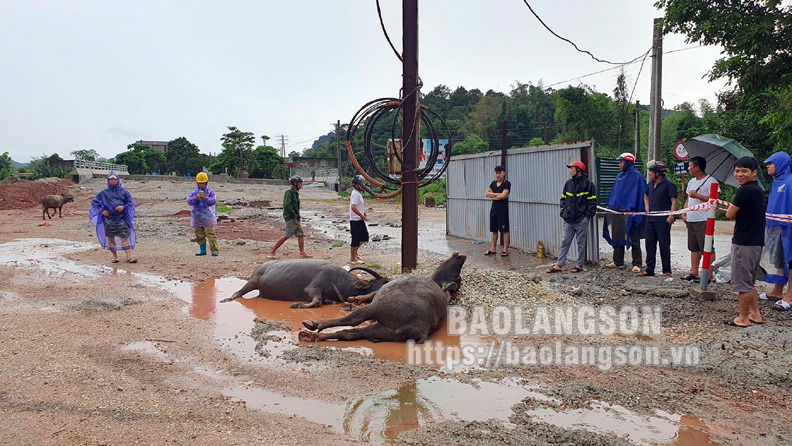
(498,192)
(748,211)
(661,195)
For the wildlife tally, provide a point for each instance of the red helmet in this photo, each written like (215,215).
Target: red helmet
(579,165)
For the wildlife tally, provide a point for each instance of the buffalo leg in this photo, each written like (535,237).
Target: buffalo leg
(246,288)
(314,293)
(362,299)
(352,319)
(373,332)
(315,302)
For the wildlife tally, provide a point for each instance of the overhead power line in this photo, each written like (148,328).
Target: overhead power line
(573,43)
(382,23)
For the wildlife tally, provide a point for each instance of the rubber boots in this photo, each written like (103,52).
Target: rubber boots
(203,249)
(215,254)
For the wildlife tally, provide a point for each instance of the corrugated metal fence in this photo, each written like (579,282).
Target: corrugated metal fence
(537,175)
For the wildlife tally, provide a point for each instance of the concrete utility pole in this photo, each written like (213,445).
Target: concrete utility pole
(338,153)
(283,139)
(637,117)
(656,102)
(503,145)
(411,134)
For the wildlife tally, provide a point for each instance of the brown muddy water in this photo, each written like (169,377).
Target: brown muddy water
(382,417)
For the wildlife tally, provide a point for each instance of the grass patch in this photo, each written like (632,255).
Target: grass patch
(223,208)
(337,244)
(375,266)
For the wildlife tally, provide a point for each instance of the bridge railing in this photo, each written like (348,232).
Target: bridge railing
(96,165)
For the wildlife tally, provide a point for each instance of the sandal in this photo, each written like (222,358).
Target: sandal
(504,254)
(553,269)
(114,261)
(781,305)
(690,277)
(577,269)
(731,323)
(765,296)
(489,252)
(612,265)
(646,274)
(636,269)
(132,260)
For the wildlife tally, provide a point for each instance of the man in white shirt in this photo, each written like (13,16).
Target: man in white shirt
(357,219)
(698,189)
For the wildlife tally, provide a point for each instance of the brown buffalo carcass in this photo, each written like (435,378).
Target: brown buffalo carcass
(309,280)
(410,307)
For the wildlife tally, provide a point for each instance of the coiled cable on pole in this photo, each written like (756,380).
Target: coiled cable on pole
(378,109)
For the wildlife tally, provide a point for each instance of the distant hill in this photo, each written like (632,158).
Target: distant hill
(16,164)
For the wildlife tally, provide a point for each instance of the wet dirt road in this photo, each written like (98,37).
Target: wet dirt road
(103,353)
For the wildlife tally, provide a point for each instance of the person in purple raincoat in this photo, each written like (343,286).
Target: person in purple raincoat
(113,213)
(203,216)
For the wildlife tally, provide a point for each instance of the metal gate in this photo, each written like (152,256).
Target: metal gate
(537,175)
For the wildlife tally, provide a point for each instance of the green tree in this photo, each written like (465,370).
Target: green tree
(134,160)
(180,152)
(280,172)
(472,144)
(756,38)
(263,161)
(155,161)
(238,147)
(6,165)
(43,169)
(85,154)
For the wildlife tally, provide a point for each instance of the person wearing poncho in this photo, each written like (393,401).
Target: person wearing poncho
(113,213)
(203,216)
(626,196)
(777,253)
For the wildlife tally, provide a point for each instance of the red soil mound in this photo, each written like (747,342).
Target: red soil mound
(26,194)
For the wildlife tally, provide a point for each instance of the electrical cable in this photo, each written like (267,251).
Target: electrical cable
(571,42)
(382,23)
(368,116)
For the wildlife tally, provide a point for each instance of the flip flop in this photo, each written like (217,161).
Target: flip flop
(781,306)
(553,270)
(612,265)
(489,253)
(646,274)
(690,277)
(731,323)
(114,261)
(272,256)
(132,260)
(306,257)
(765,296)
(755,322)
(577,269)
(504,254)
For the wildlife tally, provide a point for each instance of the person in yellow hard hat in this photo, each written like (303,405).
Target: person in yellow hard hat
(204,215)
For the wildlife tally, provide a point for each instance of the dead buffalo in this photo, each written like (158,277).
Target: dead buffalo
(410,307)
(54,202)
(314,281)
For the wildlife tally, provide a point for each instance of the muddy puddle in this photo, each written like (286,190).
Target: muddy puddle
(382,417)
(234,320)
(604,418)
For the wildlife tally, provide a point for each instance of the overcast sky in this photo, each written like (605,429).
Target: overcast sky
(101,74)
